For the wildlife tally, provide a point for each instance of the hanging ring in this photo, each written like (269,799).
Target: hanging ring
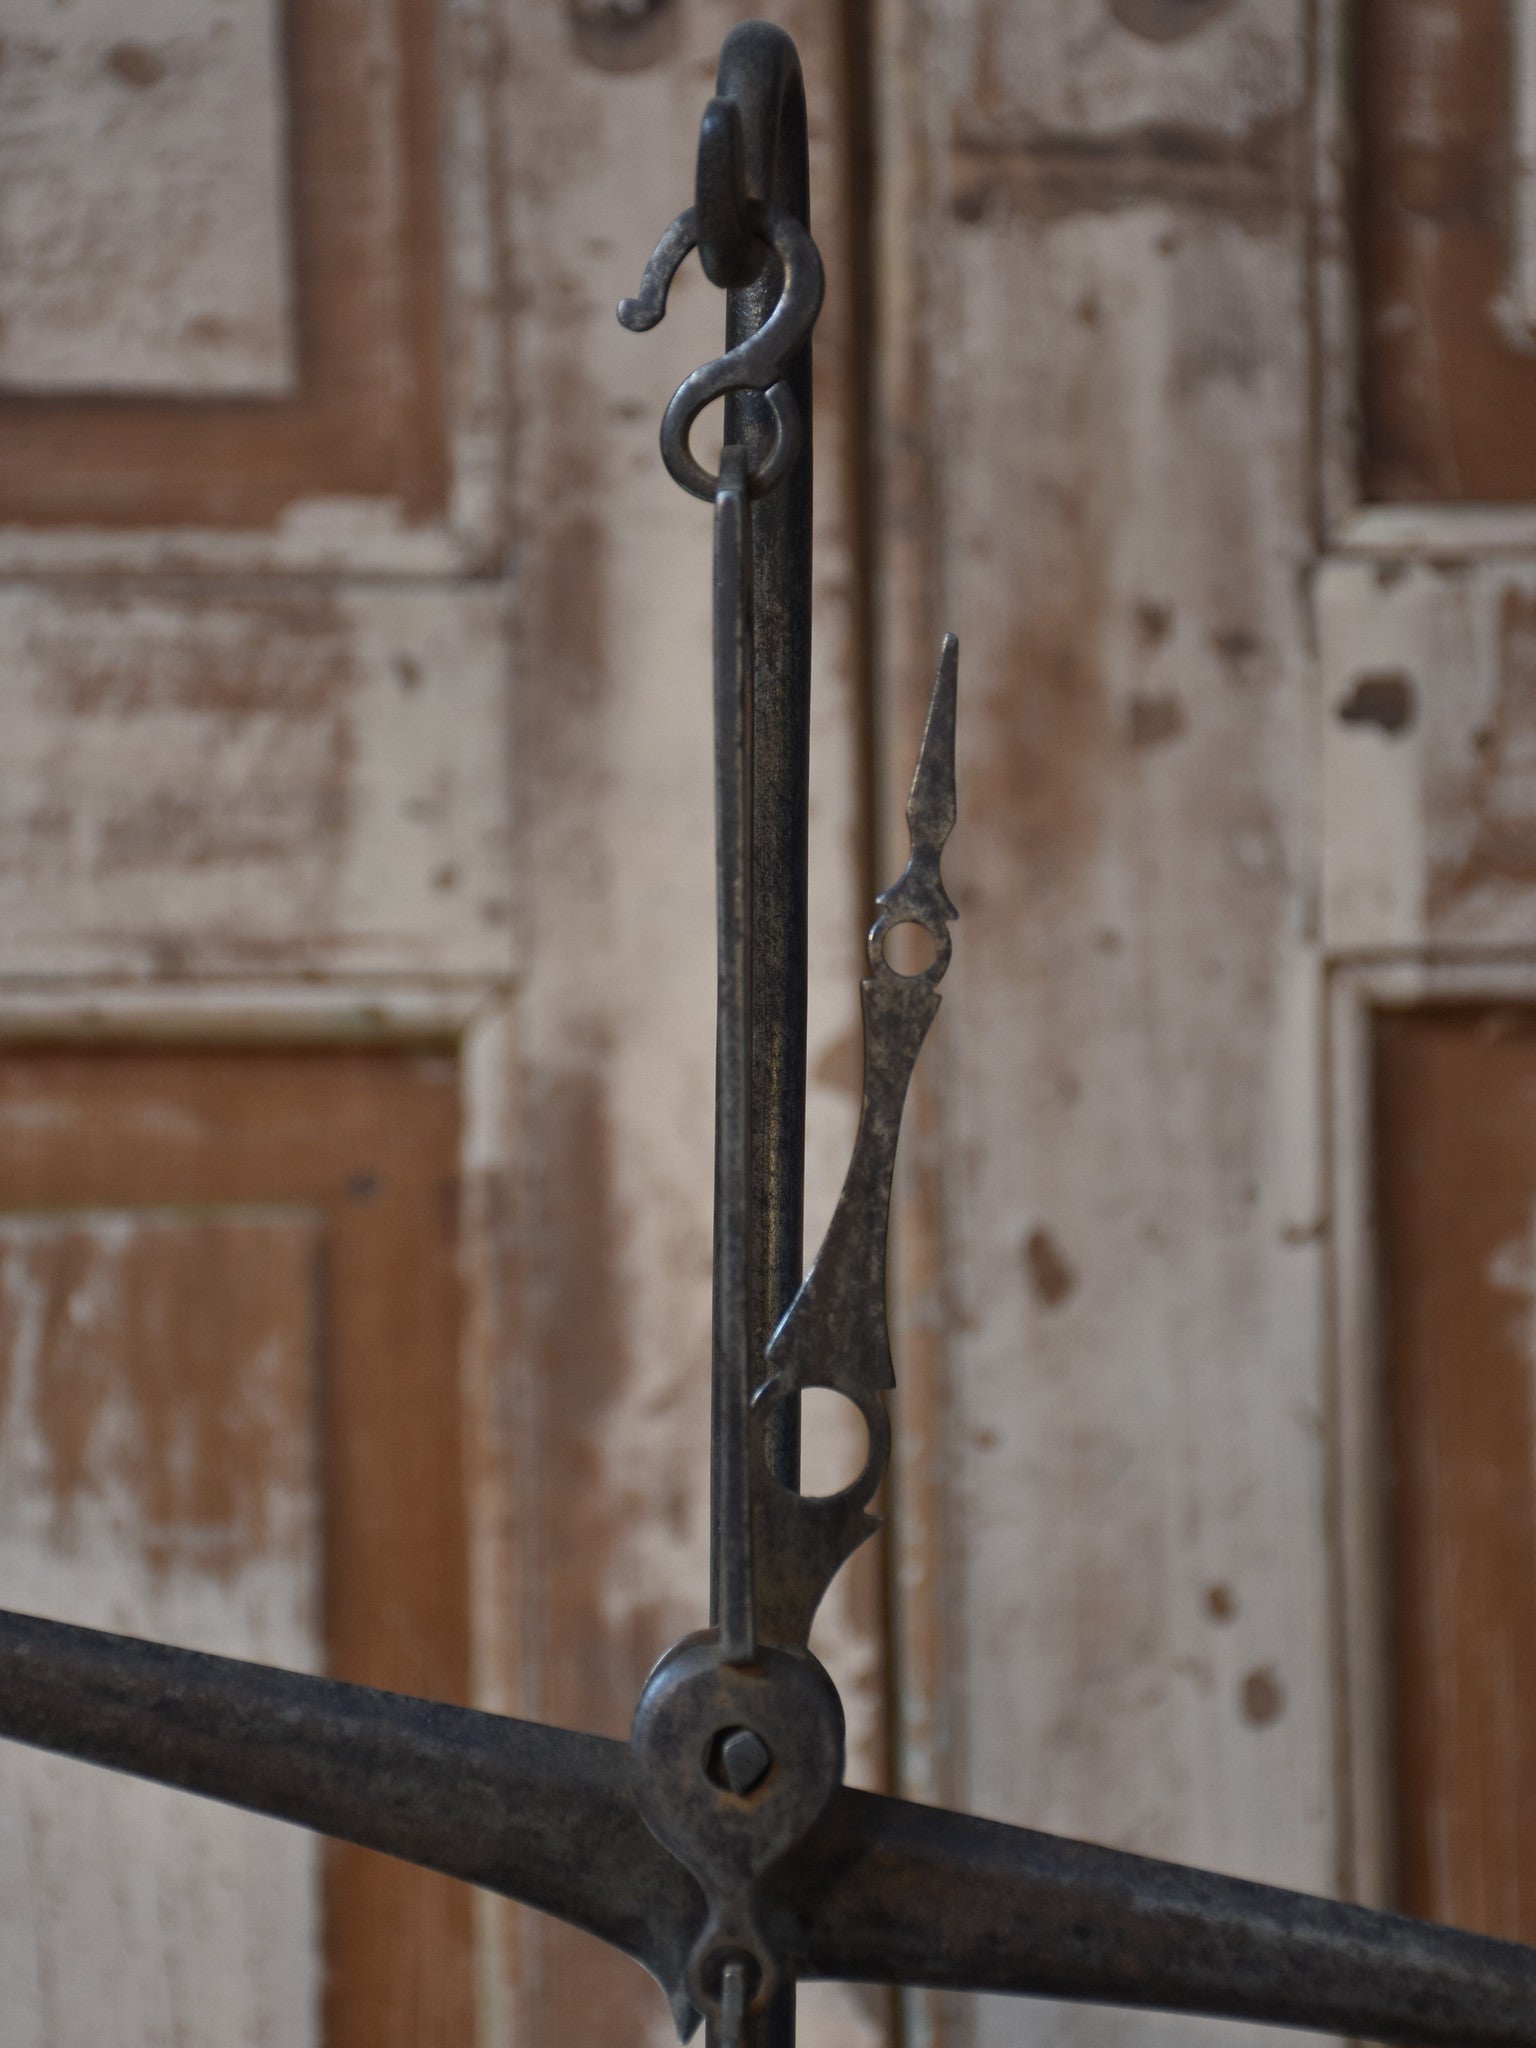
(758,364)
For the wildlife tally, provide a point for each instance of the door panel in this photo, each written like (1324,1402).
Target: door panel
(159,1475)
(1456,1121)
(230,1417)
(255,781)
(246,308)
(1445,249)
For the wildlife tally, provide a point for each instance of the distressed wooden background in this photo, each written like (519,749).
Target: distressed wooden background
(355,928)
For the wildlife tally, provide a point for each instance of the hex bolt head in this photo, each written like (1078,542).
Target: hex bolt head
(744,1761)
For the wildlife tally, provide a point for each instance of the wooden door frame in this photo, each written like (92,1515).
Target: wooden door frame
(1359,991)
(476,1020)
(1348,524)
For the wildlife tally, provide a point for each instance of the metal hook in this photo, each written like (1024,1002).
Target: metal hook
(758,364)
(729,251)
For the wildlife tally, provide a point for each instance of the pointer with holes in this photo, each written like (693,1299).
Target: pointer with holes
(719,1847)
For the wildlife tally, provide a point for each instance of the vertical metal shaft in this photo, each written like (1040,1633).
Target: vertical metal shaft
(733,1354)
(760,70)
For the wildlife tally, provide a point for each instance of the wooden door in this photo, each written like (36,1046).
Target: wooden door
(1205,414)
(352,643)
(1426,638)
(230,1418)
(1456,1194)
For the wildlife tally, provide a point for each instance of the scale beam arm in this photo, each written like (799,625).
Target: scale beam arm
(542,1815)
(881,1891)
(889,1892)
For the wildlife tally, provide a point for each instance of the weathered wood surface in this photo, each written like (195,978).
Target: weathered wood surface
(159,1475)
(146,242)
(269,780)
(1447,379)
(1098,460)
(1429,749)
(1096,324)
(228,1290)
(252,288)
(1457,1195)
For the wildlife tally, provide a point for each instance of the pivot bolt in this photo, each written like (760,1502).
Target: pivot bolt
(740,1759)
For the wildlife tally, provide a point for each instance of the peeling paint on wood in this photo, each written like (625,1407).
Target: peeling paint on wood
(1112,395)
(285,1219)
(145,244)
(353,182)
(199,784)
(1447,370)
(159,1474)
(1430,823)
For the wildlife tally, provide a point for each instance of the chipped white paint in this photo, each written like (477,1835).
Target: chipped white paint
(196,147)
(329,1012)
(1511,1271)
(81,1822)
(1133,1635)
(125,1908)
(1430,821)
(1444,531)
(144,226)
(238,783)
(1516,306)
(1082,69)
(1373,817)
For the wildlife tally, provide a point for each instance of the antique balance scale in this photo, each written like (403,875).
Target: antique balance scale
(719,1847)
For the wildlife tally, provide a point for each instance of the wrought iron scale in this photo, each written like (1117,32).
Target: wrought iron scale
(719,1846)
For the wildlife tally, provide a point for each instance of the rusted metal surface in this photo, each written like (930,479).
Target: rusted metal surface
(834,1333)
(881,1889)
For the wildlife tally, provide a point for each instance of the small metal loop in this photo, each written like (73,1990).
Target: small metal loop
(758,364)
(729,250)
(684,467)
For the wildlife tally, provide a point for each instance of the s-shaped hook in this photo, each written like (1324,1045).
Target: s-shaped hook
(758,364)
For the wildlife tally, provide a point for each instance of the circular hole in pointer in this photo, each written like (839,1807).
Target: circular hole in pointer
(909,948)
(834,1442)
